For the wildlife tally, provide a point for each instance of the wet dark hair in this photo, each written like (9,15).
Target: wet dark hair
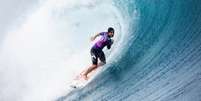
(110,29)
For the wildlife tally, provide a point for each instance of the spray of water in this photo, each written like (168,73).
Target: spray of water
(51,46)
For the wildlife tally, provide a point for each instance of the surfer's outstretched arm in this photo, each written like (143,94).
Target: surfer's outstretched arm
(94,37)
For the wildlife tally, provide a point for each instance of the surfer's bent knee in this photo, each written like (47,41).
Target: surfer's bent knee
(102,63)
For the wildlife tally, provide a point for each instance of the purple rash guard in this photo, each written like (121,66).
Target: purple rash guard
(105,40)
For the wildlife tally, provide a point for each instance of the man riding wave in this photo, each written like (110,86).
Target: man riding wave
(96,50)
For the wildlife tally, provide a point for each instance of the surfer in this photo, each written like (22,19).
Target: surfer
(96,50)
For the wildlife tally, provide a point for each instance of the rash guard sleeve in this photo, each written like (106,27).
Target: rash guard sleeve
(101,33)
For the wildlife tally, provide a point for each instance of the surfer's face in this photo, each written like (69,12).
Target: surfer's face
(111,34)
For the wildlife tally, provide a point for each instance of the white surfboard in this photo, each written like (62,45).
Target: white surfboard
(78,82)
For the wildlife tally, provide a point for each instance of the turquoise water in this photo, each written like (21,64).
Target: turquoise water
(162,59)
(156,54)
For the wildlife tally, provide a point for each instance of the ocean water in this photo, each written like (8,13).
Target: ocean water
(162,58)
(156,54)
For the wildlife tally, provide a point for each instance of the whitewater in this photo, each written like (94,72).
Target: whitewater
(156,54)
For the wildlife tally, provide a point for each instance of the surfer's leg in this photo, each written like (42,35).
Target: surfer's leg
(100,64)
(94,58)
(102,58)
(90,69)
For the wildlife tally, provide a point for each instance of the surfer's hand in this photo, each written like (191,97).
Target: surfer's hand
(92,38)
(112,41)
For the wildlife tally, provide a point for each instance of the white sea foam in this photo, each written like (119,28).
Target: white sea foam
(51,46)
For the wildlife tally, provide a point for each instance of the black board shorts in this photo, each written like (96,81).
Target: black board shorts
(97,54)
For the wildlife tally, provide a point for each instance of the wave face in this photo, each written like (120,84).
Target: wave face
(161,61)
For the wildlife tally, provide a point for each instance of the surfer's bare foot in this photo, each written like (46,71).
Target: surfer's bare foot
(85,77)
